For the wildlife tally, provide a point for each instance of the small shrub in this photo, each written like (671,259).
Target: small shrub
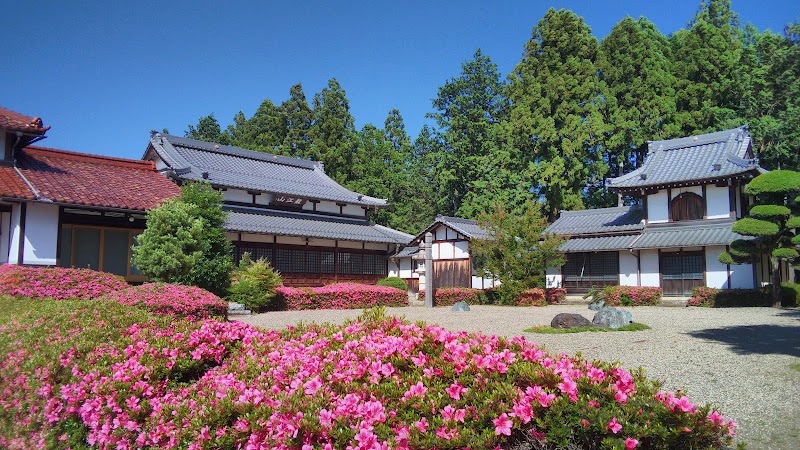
(547,329)
(452,295)
(57,283)
(255,284)
(531,297)
(394,282)
(790,293)
(703,296)
(555,295)
(174,300)
(630,295)
(341,296)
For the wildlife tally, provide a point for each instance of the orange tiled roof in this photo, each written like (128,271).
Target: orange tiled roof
(14,121)
(12,186)
(91,180)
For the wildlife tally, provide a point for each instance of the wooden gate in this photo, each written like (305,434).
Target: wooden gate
(452,273)
(680,272)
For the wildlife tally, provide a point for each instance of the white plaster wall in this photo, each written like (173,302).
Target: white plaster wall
(5,233)
(349,244)
(446,250)
(41,234)
(716,272)
(440,233)
(405,268)
(353,210)
(247,237)
(15,230)
(264,199)
(329,207)
(376,246)
(742,276)
(553,277)
(237,195)
(394,268)
(648,260)
(435,250)
(628,269)
(657,210)
(717,202)
(160,164)
(321,242)
(484,283)
(461,249)
(291,240)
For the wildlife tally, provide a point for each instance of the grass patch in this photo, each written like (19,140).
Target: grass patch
(547,329)
(795,366)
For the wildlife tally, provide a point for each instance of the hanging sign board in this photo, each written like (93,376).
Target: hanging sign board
(287,201)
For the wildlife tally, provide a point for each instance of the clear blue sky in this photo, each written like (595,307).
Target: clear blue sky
(104,74)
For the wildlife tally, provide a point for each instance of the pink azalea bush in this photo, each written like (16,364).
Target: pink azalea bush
(555,295)
(452,295)
(174,300)
(703,296)
(341,296)
(630,295)
(374,383)
(57,283)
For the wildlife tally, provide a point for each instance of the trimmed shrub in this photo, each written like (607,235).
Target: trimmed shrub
(452,295)
(395,282)
(555,295)
(532,297)
(630,295)
(742,298)
(174,300)
(376,382)
(57,283)
(341,296)
(254,286)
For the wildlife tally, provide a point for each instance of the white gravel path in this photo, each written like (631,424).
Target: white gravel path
(739,359)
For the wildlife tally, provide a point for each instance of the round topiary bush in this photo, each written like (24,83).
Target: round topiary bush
(175,300)
(394,282)
(57,283)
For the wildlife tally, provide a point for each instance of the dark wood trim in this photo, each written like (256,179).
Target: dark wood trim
(5,208)
(23,211)
(728,267)
(58,234)
(705,201)
(732,201)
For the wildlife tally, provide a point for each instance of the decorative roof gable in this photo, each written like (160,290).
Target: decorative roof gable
(233,167)
(692,160)
(14,121)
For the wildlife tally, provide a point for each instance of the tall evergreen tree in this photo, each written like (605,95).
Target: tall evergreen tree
(332,133)
(706,61)
(555,118)
(208,130)
(474,170)
(786,72)
(298,121)
(634,62)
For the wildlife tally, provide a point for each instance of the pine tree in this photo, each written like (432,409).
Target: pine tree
(208,130)
(555,118)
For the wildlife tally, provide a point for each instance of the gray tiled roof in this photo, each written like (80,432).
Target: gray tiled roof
(407,252)
(687,236)
(263,221)
(692,159)
(238,168)
(603,220)
(467,227)
(598,244)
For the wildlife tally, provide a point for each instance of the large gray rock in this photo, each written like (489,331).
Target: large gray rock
(612,318)
(566,320)
(460,306)
(597,306)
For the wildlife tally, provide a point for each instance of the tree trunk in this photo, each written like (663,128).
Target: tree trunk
(776,282)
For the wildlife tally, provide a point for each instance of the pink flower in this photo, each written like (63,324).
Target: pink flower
(614,426)
(502,425)
(421,425)
(631,443)
(455,390)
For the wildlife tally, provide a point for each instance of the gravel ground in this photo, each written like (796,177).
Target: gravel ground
(739,359)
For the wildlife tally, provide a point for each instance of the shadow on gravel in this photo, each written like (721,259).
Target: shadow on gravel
(759,339)
(795,313)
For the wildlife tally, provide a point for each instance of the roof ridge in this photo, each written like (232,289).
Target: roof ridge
(695,139)
(601,210)
(457,219)
(240,152)
(79,156)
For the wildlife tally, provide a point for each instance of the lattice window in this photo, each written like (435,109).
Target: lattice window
(682,267)
(599,266)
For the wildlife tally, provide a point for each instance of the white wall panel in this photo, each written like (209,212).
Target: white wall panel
(14,234)
(461,249)
(291,240)
(349,244)
(41,234)
(657,210)
(628,269)
(717,202)
(716,272)
(553,277)
(376,246)
(446,250)
(265,238)
(648,260)
(237,195)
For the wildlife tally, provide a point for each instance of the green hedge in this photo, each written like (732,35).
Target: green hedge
(394,282)
(743,298)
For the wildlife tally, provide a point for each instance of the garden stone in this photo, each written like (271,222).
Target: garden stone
(460,306)
(612,318)
(566,320)
(597,306)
